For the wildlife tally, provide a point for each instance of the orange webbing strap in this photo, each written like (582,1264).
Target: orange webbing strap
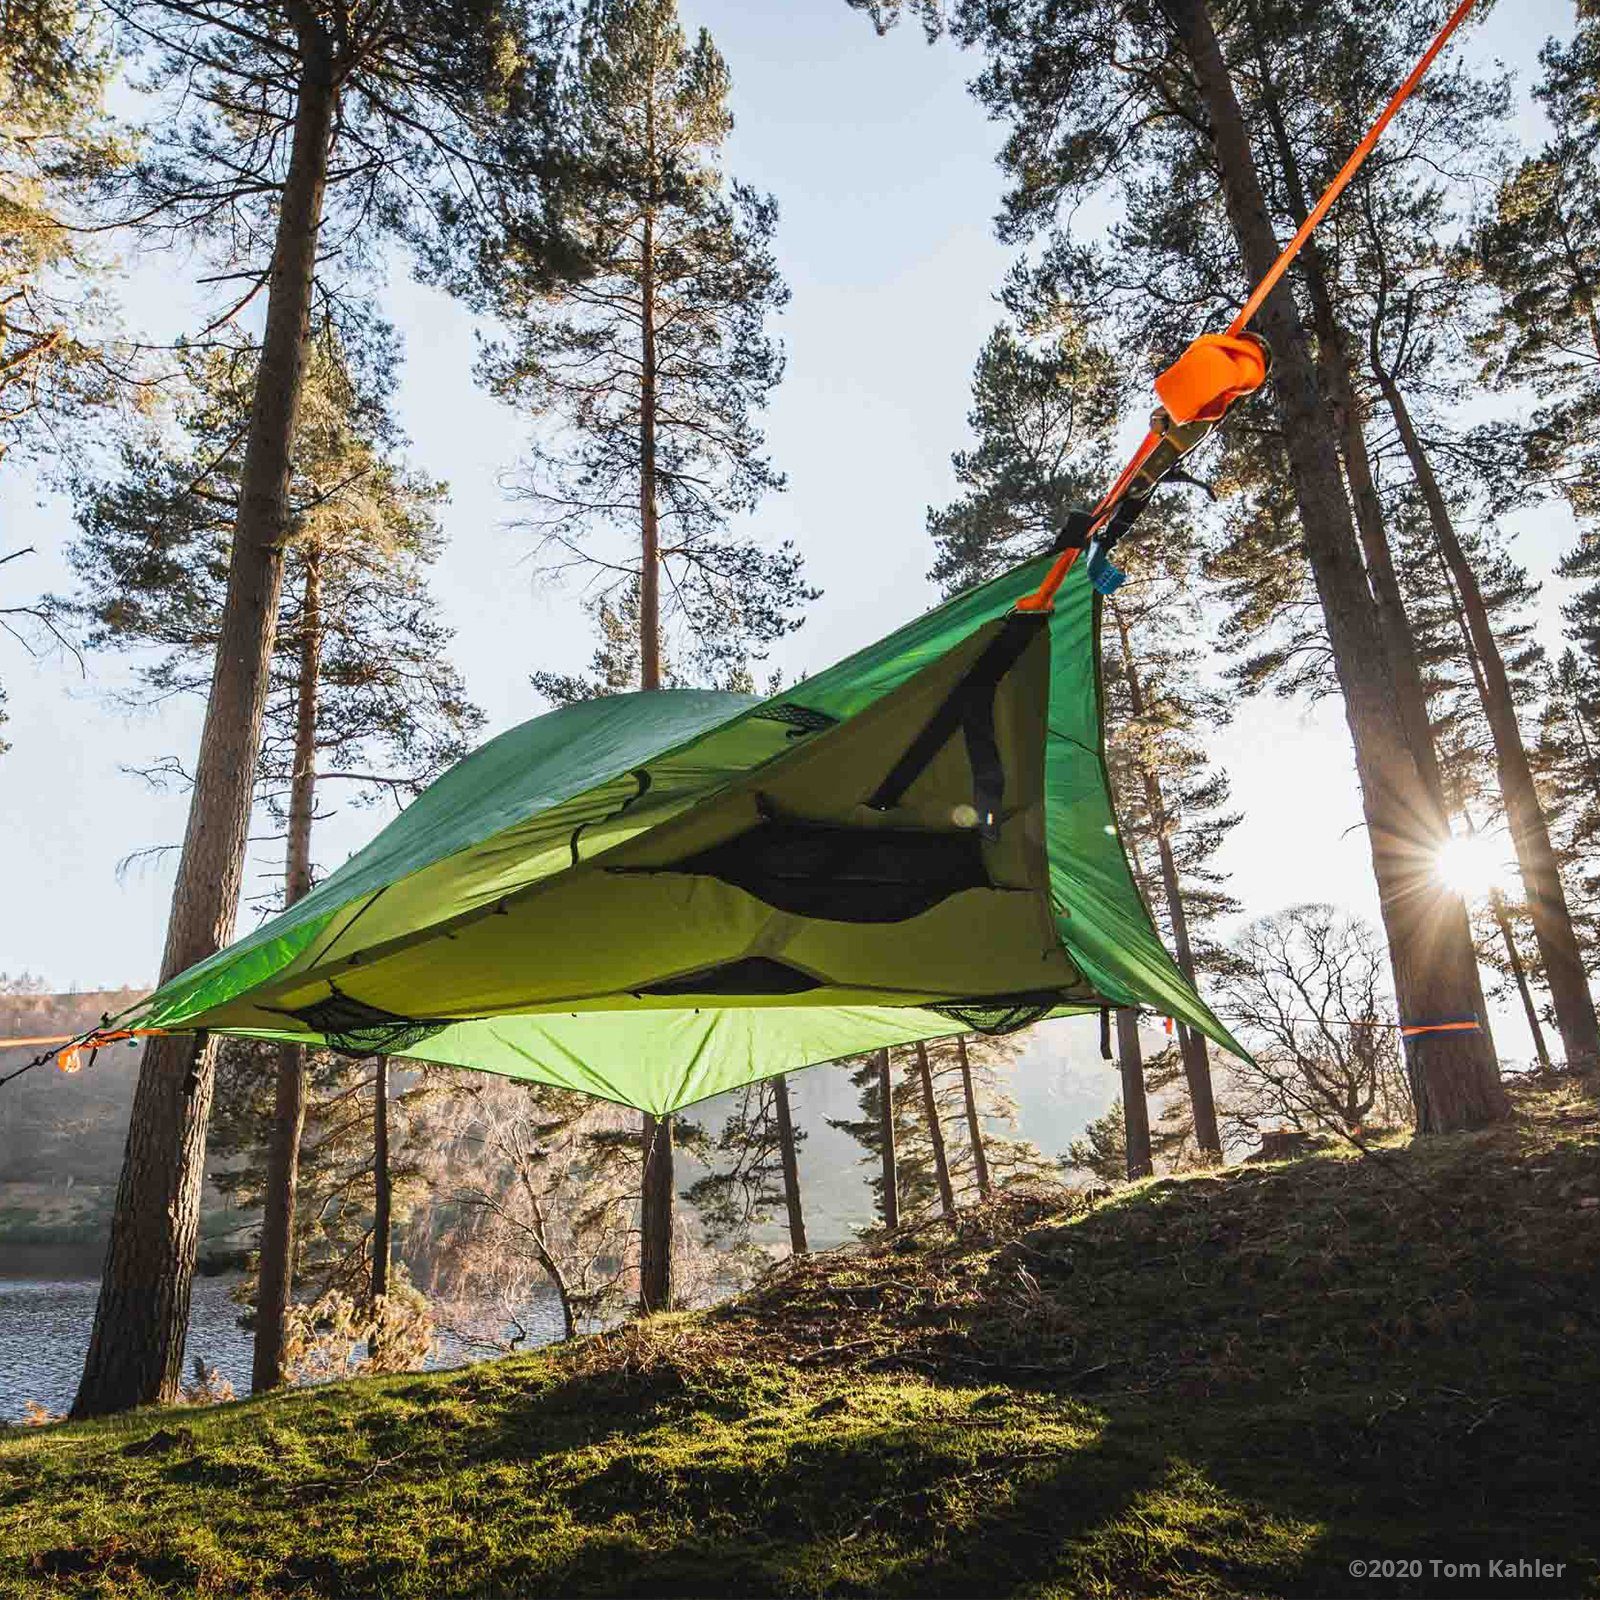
(1218,368)
(1348,170)
(70,1059)
(69,1055)
(1411,1030)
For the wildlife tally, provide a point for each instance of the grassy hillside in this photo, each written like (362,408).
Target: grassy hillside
(1222,1385)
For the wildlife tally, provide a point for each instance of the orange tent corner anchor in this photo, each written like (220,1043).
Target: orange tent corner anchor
(70,1060)
(1216,370)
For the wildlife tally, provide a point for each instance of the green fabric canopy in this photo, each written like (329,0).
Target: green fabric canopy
(655,897)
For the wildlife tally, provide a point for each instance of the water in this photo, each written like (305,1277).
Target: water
(44,1334)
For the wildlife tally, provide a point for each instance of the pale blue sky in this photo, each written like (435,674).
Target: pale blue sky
(883,170)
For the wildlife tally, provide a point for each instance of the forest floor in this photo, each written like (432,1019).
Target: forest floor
(1230,1384)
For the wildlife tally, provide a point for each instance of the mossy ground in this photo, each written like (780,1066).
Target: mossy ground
(1228,1385)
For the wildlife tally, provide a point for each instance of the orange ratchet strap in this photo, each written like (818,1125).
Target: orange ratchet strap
(1412,1029)
(1219,368)
(69,1058)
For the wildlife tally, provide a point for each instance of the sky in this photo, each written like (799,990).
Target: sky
(884,173)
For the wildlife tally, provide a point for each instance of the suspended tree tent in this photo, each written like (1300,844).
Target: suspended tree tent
(655,897)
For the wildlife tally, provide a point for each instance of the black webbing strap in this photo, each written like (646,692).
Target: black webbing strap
(969,707)
(1105,1033)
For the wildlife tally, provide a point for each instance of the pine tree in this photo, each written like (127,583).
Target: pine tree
(647,359)
(1169,800)
(756,1170)
(1400,355)
(887,1126)
(286,129)
(1541,252)
(1102,1148)
(1053,72)
(359,677)
(972,1076)
(59,362)
(1569,759)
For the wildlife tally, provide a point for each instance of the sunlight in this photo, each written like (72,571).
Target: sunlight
(1475,865)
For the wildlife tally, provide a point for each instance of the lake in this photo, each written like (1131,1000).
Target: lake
(44,1333)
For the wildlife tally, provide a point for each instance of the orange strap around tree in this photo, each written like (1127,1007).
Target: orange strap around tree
(1219,368)
(1410,1030)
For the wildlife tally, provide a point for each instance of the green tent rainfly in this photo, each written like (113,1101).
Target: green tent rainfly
(655,897)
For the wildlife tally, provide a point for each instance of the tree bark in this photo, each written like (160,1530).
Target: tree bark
(1135,1107)
(930,1109)
(791,1166)
(980,1158)
(1191,1044)
(136,1347)
(891,1173)
(382,1196)
(1530,832)
(275,1273)
(655,1217)
(1454,1078)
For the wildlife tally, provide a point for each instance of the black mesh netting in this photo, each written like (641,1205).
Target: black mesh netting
(999,1014)
(800,717)
(354,1028)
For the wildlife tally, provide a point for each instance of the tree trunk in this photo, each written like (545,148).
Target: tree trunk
(136,1348)
(656,1192)
(1192,1045)
(1334,366)
(1454,1078)
(275,1275)
(655,1217)
(930,1109)
(1497,902)
(382,1197)
(1519,974)
(1530,833)
(980,1159)
(791,1166)
(1135,1107)
(891,1172)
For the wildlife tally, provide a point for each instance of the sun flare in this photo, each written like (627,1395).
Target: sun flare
(1474,865)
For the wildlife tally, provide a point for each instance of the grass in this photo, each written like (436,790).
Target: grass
(1221,1385)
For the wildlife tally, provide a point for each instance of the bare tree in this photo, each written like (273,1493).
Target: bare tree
(1305,991)
(543,1184)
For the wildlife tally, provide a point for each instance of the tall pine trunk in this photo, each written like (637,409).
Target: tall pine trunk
(980,1158)
(930,1110)
(1519,976)
(1334,368)
(275,1275)
(890,1175)
(656,1192)
(1530,832)
(136,1347)
(1135,1106)
(1454,1078)
(1191,1044)
(382,1201)
(791,1165)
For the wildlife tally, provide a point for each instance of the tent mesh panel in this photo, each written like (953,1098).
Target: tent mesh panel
(1000,1013)
(353,1028)
(801,718)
